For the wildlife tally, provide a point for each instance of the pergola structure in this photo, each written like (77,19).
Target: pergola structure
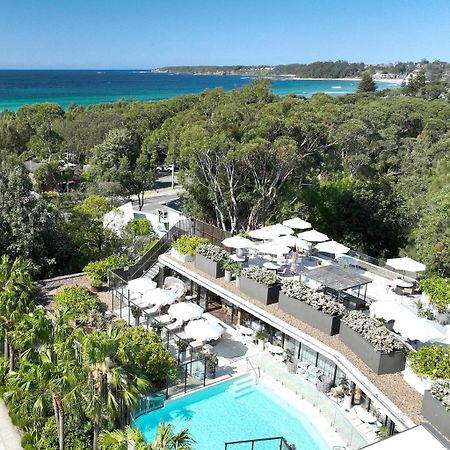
(337,280)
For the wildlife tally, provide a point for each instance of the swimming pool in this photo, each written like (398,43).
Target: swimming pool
(233,411)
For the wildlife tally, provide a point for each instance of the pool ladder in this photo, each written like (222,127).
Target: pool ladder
(256,370)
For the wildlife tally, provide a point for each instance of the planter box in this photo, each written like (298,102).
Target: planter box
(306,313)
(380,363)
(264,294)
(208,266)
(418,383)
(434,411)
(183,258)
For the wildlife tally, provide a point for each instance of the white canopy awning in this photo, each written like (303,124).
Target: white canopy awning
(406,264)
(297,223)
(203,330)
(141,285)
(332,247)
(313,236)
(238,242)
(185,311)
(161,296)
(273,249)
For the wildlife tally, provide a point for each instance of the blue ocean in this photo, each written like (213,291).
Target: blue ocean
(89,87)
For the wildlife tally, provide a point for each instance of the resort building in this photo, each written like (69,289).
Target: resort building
(313,360)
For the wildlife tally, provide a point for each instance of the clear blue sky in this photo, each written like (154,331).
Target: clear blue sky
(152,33)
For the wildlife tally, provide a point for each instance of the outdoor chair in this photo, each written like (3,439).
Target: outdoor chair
(152,310)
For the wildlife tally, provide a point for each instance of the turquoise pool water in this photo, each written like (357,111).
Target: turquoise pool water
(233,411)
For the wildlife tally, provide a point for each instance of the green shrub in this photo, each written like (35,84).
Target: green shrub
(97,271)
(140,227)
(438,289)
(187,245)
(144,349)
(77,301)
(432,361)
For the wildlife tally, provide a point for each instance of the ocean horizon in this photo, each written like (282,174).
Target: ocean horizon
(90,87)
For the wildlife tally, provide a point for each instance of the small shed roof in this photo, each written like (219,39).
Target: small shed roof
(337,278)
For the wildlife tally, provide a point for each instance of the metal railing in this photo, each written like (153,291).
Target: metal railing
(279,443)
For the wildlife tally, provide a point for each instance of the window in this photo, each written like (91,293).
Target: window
(308,354)
(326,366)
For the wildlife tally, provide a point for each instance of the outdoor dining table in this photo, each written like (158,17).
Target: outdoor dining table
(237,258)
(276,349)
(246,331)
(402,283)
(271,266)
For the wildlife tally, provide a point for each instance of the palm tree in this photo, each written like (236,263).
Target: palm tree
(166,439)
(120,439)
(16,297)
(112,387)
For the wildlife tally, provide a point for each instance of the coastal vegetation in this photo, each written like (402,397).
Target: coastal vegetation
(435,70)
(68,379)
(370,169)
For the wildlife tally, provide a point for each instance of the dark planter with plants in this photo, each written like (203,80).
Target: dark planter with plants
(267,295)
(379,362)
(210,267)
(324,322)
(434,411)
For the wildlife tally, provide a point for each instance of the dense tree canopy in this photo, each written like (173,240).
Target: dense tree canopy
(367,168)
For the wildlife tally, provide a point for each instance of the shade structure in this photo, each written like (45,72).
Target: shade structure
(297,223)
(406,322)
(406,264)
(273,249)
(203,330)
(175,285)
(420,329)
(141,285)
(185,311)
(332,247)
(389,310)
(161,296)
(271,232)
(304,245)
(287,241)
(238,242)
(313,236)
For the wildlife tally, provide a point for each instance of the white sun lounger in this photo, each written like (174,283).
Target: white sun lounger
(152,310)
(164,319)
(174,326)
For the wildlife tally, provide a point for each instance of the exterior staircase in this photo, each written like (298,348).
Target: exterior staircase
(153,271)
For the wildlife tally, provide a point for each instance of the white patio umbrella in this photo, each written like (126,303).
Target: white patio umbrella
(406,264)
(270,232)
(203,330)
(288,241)
(420,329)
(304,245)
(313,236)
(263,234)
(332,247)
(389,310)
(161,296)
(273,249)
(297,223)
(238,242)
(185,311)
(141,285)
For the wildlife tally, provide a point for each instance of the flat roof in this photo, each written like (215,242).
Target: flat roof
(420,437)
(337,278)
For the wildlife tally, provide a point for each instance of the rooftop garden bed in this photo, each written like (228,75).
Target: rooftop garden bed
(318,310)
(97,271)
(436,406)
(210,258)
(372,342)
(260,284)
(438,289)
(185,247)
(432,361)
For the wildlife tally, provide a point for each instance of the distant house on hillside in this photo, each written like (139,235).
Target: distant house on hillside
(161,216)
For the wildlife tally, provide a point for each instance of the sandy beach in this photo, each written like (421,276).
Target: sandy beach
(381,80)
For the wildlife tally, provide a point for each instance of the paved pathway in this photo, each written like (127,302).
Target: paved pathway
(9,434)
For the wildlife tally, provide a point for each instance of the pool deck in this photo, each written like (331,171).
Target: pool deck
(393,386)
